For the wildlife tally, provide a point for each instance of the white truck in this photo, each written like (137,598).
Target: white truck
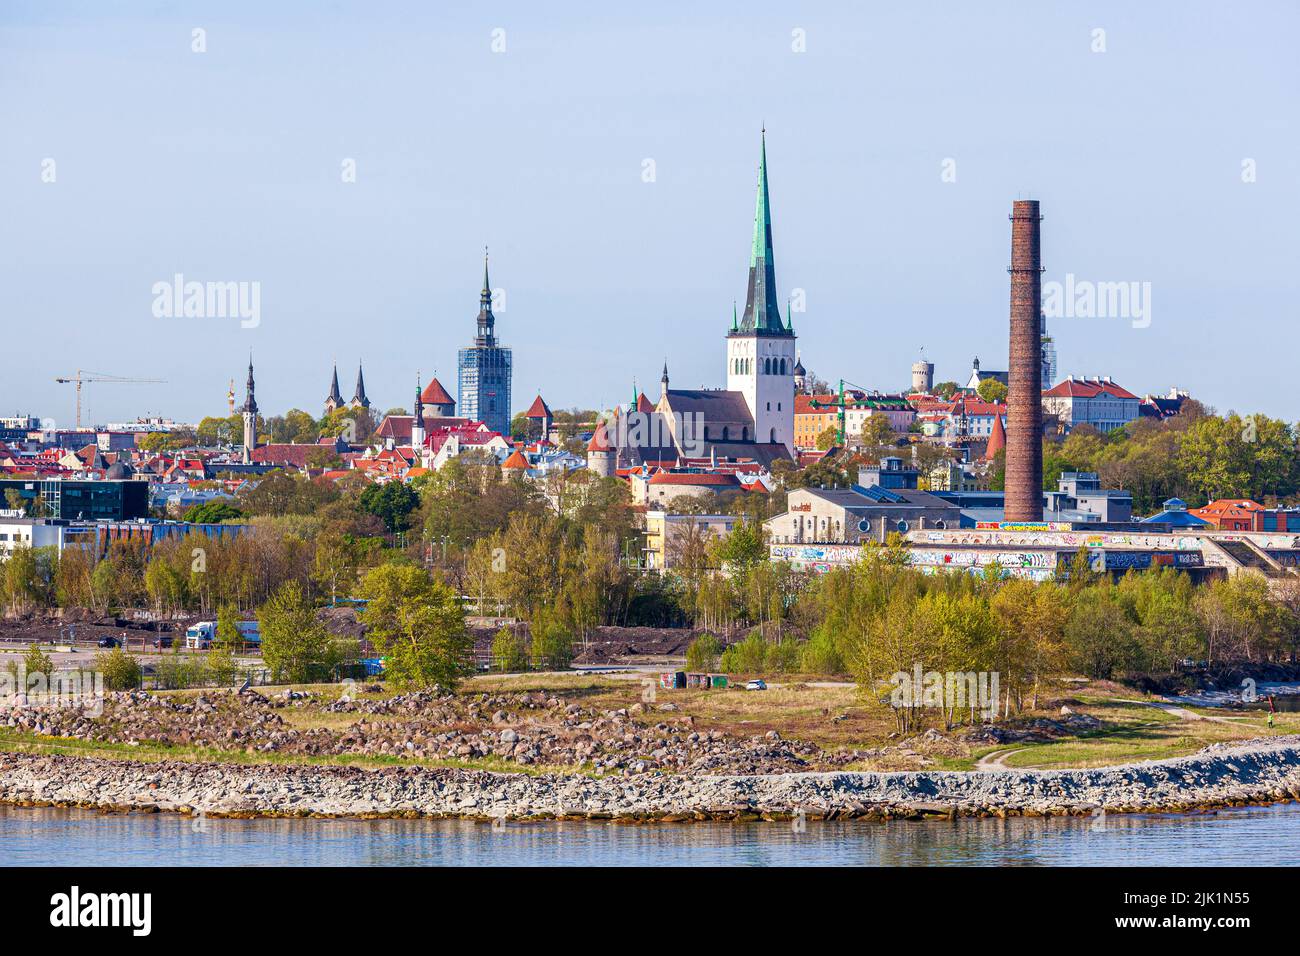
(201,635)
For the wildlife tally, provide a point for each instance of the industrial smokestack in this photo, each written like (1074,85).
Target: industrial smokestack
(1024,475)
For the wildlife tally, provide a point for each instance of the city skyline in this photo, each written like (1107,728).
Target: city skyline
(226,176)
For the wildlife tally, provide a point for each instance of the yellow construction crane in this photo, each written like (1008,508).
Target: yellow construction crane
(84,376)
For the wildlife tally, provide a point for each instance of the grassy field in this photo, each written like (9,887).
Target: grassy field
(830,714)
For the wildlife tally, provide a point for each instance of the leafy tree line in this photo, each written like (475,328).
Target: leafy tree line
(880,616)
(1196,456)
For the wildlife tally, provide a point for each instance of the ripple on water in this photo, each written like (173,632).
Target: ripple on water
(1250,836)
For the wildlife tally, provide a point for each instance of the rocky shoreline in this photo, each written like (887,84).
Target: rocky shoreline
(1250,772)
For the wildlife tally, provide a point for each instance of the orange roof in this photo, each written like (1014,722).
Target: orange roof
(515,460)
(1229,508)
(644,404)
(538,409)
(435,394)
(599,438)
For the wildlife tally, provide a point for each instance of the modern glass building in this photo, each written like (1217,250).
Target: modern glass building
(85,500)
(483,379)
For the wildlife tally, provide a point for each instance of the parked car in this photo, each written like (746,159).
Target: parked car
(759,684)
(161,642)
(109,642)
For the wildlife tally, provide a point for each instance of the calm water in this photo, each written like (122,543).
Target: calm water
(1269,836)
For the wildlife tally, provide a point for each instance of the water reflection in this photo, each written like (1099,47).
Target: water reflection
(1235,837)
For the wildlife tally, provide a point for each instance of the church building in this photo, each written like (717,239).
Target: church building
(752,419)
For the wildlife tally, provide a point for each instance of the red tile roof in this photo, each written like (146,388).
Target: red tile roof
(974,406)
(515,461)
(435,394)
(803,405)
(1087,388)
(538,409)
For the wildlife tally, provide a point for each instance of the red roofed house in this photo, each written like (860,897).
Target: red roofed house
(810,422)
(1098,402)
(1244,514)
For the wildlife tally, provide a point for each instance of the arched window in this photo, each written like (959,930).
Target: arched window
(782,366)
(773,430)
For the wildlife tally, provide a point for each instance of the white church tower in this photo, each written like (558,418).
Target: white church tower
(760,347)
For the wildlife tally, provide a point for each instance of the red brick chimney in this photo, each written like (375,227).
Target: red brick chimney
(1024,475)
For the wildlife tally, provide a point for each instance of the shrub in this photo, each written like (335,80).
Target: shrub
(509,652)
(177,671)
(121,671)
(820,655)
(746,657)
(552,647)
(38,662)
(703,653)
(782,657)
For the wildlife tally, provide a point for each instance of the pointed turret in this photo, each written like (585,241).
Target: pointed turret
(486,320)
(417,418)
(359,399)
(997,438)
(250,402)
(250,415)
(335,398)
(762,312)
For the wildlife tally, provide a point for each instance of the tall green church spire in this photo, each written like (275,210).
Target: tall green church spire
(762,311)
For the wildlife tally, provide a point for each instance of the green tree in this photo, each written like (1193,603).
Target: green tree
(417,625)
(36,661)
(213,512)
(295,646)
(552,642)
(703,653)
(509,652)
(228,636)
(991,390)
(828,438)
(391,502)
(121,671)
(876,430)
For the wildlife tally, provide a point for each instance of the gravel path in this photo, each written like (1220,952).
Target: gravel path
(1255,771)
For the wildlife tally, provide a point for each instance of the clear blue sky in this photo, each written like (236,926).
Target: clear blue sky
(226,165)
